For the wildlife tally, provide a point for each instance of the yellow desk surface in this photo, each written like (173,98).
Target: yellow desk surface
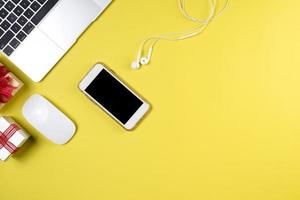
(225,118)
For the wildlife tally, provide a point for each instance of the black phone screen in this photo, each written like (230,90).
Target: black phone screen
(114,96)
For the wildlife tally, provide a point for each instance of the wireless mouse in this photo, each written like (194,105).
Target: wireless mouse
(48,120)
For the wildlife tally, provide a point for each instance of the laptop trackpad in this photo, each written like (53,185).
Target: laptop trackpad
(65,23)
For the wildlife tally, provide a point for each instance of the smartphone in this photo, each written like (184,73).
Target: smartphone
(107,91)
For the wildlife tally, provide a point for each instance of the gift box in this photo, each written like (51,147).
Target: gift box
(12,137)
(9,85)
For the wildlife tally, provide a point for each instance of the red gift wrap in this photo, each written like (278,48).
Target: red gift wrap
(6,87)
(9,85)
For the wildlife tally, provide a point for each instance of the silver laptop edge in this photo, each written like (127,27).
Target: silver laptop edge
(54,36)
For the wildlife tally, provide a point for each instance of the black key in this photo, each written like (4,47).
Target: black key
(8,50)
(28,28)
(3,13)
(12,18)
(21,36)
(15,28)
(28,13)
(6,38)
(41,1)
(9,6)
(35,6)
(16,1)
(14,43)
(1,3)
(18,10)
(24,4)
(5,25)
(22,20)
(43,11)
(1,32)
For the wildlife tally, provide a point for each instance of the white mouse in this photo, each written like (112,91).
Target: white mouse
(48,120)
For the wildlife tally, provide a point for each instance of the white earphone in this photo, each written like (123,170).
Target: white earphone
(142,60)
(151,41)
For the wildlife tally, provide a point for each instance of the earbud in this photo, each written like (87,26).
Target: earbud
(144,61)
(135,65)
(141,60)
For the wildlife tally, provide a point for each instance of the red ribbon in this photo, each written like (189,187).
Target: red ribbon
(4,138)
(6,89)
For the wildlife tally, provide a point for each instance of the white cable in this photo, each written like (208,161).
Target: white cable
(176,36)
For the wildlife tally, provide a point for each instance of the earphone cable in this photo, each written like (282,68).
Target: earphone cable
(177,36)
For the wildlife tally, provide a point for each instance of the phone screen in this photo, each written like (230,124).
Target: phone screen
(114,96)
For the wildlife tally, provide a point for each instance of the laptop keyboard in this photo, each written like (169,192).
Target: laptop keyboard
(18,18)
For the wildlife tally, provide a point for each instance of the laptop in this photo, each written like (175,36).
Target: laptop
(35,34)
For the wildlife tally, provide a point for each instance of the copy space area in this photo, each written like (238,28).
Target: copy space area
(224,123)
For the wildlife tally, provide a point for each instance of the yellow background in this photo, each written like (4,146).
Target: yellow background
(225,118)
